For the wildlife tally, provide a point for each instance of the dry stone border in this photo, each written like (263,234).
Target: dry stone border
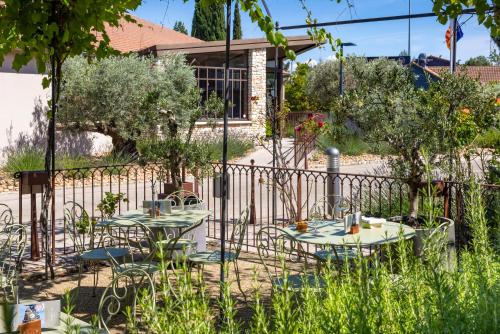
(87,176)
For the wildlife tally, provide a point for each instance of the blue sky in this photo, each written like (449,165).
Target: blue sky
(372,39)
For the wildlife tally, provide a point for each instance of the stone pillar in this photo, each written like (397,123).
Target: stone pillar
(257,91)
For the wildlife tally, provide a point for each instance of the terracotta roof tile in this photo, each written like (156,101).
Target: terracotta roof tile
(132,37)
(484,74)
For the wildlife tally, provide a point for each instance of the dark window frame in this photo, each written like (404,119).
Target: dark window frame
(238,85)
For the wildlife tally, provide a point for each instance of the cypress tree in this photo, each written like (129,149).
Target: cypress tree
(237,34)
(209,23)
(180,27)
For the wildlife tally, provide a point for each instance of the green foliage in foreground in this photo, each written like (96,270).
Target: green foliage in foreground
(402,294)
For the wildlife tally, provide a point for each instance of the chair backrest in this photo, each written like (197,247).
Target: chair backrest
(277,249)
(184,199)
(119,292)
(6,216)
(79,225)
(343,206)
(239,232)
(437,239)
(12,247)
(321,210)
(133,235)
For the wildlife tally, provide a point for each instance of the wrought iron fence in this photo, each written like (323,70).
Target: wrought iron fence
(250,186)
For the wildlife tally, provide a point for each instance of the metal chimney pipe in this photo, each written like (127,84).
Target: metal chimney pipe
(333,185)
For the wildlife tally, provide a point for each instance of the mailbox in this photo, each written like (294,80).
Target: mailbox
(33,182)
(218,185)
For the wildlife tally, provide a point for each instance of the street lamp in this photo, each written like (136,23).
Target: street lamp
(341,68)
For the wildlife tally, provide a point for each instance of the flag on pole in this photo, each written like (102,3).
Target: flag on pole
(460,34)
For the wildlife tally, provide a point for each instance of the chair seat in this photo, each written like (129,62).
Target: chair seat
(342,253)
(149,267)
(211,257)
(180,244)
(299,282)
(100,254)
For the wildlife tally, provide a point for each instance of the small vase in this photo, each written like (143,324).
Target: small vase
(354,229)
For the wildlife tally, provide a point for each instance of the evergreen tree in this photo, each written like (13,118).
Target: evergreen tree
(209,23)
(180,27)
(237,34)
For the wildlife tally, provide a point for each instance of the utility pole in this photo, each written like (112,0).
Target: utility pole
(409,29)
(453,45)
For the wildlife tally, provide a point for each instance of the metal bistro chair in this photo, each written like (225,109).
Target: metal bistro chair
(12,247)
(118,294)
(139,241)
(285,262)
(235,244)
(320,212)
(183,243)
(6,216)
(80,226)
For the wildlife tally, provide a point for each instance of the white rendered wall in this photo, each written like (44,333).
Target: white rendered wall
(20,94)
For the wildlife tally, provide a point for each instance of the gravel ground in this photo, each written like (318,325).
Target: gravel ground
(33,286)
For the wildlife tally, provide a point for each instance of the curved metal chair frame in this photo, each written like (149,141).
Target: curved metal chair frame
(12,246)
(79,225)
(285,262)
(138,239)
(320,210)
(6,216)
(119,293)
(183,200)
(179,198)
(231,256)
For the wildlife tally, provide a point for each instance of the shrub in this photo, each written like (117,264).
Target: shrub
(489,139)
(235,148)
(25,159)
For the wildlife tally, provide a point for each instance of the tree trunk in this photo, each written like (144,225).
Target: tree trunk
(120,144)
(413,197)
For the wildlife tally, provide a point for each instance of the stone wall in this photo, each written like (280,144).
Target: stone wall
(257,90)
(255,127)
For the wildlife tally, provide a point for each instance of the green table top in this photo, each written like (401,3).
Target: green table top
(176,219)
(332,233)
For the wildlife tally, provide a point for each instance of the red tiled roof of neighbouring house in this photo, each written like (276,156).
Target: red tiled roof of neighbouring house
(484,74)
(132,36)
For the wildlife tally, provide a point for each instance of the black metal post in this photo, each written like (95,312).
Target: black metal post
(453,45)
(341,70)
(274,127)
(409,29)
(224,151)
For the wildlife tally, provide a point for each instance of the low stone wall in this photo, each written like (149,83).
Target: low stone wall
(240,129)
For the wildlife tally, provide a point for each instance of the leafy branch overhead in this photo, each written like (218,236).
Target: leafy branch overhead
(40,29)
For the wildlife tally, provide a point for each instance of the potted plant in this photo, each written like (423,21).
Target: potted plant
(109,204)
(429,220)
(178,102)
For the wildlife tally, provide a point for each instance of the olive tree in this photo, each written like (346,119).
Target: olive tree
(112,96)
(442,120)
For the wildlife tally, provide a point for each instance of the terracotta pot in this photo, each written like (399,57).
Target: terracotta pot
(439,185)
(32,327)
(169,188)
